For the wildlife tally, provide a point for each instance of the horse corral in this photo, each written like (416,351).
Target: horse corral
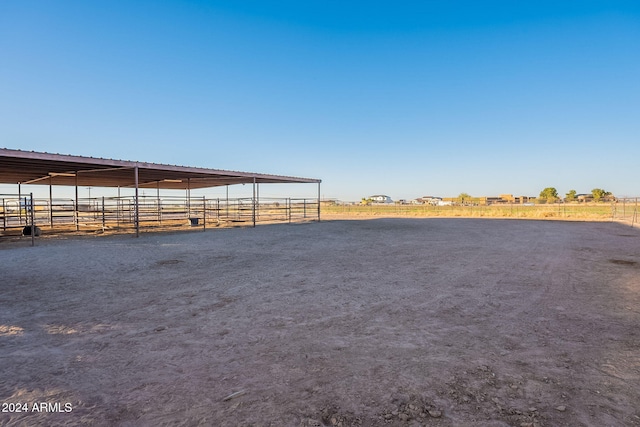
(438,322)
(135,211)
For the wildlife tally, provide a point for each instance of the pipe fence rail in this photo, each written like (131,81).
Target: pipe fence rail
(626,210)
(118,214)
(17,215)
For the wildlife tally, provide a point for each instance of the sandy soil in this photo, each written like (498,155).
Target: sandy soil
(385,322)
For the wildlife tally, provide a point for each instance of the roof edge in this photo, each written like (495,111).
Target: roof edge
(99,161)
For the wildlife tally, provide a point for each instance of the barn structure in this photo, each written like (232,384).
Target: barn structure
(23,168)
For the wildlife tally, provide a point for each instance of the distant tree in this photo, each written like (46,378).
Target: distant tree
(599,194)
(571,196)
(366,201)
(549,194)
(464,196)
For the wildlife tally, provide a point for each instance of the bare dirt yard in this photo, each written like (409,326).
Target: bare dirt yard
(382,322)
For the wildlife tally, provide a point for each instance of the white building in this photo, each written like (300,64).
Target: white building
(380,198)
(427,200)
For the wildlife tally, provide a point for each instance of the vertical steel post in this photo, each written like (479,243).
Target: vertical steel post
(137,204)
(33,222)
(204,213)
(103,221)
(4,214)
(158,199)
(118,209)
(50,201)
(189,198)
(77,205)
(318,201)
(258,201)
(227,202)
(253,204)
(20,205)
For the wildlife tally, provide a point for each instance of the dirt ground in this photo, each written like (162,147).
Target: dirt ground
(381,322)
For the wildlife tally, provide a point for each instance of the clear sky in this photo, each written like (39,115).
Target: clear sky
(404,98)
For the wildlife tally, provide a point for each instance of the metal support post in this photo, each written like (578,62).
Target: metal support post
(33,222)
(204,213)
(253,204)
(20,205)
(189,198)
(118,209)
(159,207)
(137,203)
(51,202)
(77,212)
(318,201)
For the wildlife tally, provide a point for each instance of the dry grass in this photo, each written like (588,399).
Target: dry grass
(591,212)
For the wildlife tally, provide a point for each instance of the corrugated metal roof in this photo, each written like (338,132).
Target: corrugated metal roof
(30,167)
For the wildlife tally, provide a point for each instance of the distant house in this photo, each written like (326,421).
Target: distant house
(432,200)
(427,200)
(584,197)
(380,198)
(523,199)
(504,199)
(495,200)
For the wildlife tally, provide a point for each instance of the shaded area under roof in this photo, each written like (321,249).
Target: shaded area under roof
(29,167)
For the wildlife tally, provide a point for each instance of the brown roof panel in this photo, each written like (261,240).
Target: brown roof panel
(30,167)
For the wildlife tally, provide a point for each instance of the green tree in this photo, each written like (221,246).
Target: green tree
(599,194)
(571,196)
(549,194)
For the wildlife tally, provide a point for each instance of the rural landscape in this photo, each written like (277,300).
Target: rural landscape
(623,209)
(257,213)
(163,311)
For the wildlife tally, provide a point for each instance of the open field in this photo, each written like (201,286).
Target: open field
(381,322)
(622,211)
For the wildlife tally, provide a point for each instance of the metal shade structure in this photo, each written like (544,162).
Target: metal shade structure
(29,167)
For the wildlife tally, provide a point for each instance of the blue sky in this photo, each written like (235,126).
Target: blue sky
(405,98)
